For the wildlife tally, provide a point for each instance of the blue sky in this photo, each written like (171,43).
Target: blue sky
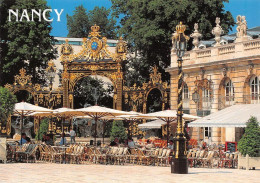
(249,8)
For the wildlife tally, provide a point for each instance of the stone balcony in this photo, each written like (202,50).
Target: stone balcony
(221,54)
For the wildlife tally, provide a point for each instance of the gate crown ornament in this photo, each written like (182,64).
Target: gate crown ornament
(94,32)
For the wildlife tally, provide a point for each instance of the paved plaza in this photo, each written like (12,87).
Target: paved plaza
(70,173)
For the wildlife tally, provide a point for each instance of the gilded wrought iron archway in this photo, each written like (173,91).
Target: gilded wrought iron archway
(40,95)
(93,59)
(21,82)
(135,98)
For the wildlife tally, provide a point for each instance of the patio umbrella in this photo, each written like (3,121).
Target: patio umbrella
(97,112)
(63,113)
(25,109)
(168,116)
(155,124)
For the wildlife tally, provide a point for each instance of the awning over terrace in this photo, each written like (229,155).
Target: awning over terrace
(156,124)
(233,116)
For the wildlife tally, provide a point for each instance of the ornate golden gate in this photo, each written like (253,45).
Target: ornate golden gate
(93,59)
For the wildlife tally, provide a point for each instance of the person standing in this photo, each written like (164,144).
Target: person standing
(72,136)
(63,139)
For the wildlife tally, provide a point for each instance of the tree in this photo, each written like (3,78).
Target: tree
(4,6)
(7,102)
(80,22)
(44,127)
(118,130)
(29,43)
(148,25)
(250,141)
(85,90)
(100,16)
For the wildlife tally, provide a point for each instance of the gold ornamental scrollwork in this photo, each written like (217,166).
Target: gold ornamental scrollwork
(155,76)
(9,87)
(204,83)
(94,48)
(22,79)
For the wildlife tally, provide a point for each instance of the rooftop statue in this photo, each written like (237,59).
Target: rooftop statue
(241,28)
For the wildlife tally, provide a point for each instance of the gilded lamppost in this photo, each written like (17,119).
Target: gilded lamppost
(51,72)
(180,162)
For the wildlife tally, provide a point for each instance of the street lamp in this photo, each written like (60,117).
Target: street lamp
(51,72)
(180,163)
(196,96)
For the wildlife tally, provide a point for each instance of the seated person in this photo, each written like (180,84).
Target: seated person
(49,140)
(171,145)
(63,139)
(131,143)
(115,142)
(23,140)
(149,144)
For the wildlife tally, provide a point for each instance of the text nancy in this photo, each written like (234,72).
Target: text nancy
(30,17)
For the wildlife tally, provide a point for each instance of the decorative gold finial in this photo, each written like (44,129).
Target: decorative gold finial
(180,28)
(66,48)
(22,72)
(51,65)
(121,46)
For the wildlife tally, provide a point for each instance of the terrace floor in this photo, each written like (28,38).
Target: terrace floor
(71,173)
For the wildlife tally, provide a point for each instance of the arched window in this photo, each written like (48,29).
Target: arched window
(206,102)
(185,97)
(254,87)
(229,93)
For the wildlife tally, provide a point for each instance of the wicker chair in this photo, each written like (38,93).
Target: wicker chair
(160,158)
(154,156)
(166,158)
(133,157)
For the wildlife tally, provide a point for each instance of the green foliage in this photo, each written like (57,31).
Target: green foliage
(44,126)
(85,91)
(148,25)
(100,16)
(79,24)
(7,102)
(29,43)
(118,130)
(250,142)
(4,6)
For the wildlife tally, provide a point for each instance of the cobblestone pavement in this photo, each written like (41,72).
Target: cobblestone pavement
(69,173)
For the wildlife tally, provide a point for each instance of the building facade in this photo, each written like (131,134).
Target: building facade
(217,74)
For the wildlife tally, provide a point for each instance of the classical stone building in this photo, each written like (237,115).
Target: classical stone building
(218,73)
